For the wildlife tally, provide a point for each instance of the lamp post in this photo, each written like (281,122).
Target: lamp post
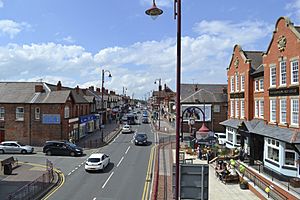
(159,89)
(102,90)
(154,11)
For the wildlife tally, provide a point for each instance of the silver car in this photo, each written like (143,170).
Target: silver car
(14,147)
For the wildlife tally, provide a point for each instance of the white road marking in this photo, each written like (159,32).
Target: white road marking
(72,171)
(79,165)
(76,168)
(69,173)
(94,198)
(120,161)
(107,180)
(127,150)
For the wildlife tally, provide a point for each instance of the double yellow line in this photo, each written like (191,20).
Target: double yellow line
(148,176)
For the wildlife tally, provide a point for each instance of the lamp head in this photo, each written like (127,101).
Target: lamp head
(154,11)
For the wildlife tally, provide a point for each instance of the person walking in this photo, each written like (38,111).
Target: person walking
(199,153)
(208,156)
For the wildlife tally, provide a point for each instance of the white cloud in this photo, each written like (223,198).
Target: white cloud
(204,59)
(12,28)
(68,39)
(1,4)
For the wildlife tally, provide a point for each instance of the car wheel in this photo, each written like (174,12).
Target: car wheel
(2,151)
(48,153)
(72,153)
(23,151)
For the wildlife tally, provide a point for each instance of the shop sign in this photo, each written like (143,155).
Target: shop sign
(292,91)
(51,119)
(237,95)
(87,118)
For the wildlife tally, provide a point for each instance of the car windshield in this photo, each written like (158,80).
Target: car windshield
(94,160)
(141,136)
(21,144)
(72,145)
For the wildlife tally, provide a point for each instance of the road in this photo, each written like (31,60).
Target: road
(123,179)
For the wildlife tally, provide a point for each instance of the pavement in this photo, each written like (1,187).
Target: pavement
(26,173)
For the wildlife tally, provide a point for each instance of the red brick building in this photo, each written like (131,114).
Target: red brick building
(263,101)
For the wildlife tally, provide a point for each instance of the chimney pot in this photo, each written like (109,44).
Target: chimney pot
(39,88)
(58,86)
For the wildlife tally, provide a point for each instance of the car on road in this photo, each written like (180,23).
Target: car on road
(221,137)
(97,162)
(62,148)
(140,139)
(126,129)
(145,120)
(15,147)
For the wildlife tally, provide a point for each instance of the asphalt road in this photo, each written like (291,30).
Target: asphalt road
(123,179)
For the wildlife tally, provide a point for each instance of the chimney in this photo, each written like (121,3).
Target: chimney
(84,91)
(92,88)
(39,88)
(58,86)
(77,89)
(111,92)
(165,87)
(106,91)
(98,90)
(196,88)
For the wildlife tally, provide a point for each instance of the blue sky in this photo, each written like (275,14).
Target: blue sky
(73,40)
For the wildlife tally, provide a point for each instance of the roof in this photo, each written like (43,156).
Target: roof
(203,92)
(259,127)
(255,57)
(96,155)
(53,97)
(90,99)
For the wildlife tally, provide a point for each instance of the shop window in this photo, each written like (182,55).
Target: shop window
(2,112)
(20,114)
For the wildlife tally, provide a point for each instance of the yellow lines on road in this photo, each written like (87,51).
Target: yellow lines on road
(59,185)
(148,176)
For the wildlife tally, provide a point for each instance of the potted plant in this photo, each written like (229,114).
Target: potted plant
(243,182)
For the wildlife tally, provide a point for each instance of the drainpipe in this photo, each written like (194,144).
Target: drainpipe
(29,124)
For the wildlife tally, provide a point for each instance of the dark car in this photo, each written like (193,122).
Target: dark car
(62,148)
(145,120)
(140,138)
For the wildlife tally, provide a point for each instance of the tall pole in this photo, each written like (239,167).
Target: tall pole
(102,100)
(178,80)
(159,88)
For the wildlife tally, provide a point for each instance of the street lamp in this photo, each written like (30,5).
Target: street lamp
(159,89)
(102,100)
(154,11)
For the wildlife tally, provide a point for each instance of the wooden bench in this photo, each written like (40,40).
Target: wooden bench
(231,179)
(11,160)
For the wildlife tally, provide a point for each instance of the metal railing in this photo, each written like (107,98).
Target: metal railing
(35,188)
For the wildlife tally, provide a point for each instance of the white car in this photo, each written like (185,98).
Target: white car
(221,137)
(15,147)
(97,162)
(126,129)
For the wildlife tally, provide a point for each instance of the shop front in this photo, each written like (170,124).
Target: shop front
(87,124)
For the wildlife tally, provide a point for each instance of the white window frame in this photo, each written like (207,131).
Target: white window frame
(290,151)
(231,84)
(231,108)
(237,82)
(294,72)
(256,107)
(283,73)
(272,110)
(237,110)
(242,82)
(256,86)
(67,112)
(2,113)
(261,108)
(282,111)
(261,84)
(242,108)
(274,144)
(37,113)
(19,114)
(273,76)
(295,112)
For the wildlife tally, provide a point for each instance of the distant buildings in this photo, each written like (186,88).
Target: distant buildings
(34,112)
(263,97)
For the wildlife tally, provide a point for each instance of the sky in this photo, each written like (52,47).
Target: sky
(72,41)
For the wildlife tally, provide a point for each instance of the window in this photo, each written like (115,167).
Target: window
(237,82)
(273,150)
(294,70)
(20,114)
(237,109)
(67,112)
(242,83)
(231,108)
(289,155)
(273,76)
(217,108)
(282,73)
(2,112)
(256,108)
(242,108)
(283,111)
(256,85)
(261,84)
(295,111)
(232,84)
(261,108)
(230,137)
(273,110)
(37,113)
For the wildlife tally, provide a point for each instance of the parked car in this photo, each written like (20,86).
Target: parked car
(140,138)
(15,147)
(96,162)
(62,148)
(126,129)
(221,137)
(145,120)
